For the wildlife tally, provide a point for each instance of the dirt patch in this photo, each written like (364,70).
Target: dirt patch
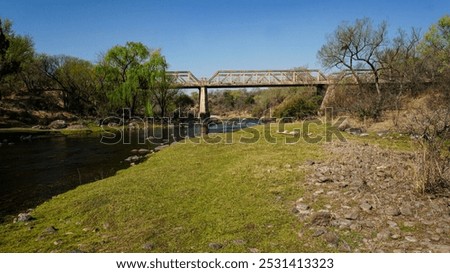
(370,195)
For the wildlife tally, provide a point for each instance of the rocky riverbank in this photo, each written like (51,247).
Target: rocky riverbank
(366,194)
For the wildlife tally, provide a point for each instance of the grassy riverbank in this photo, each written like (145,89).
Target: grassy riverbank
(190,197)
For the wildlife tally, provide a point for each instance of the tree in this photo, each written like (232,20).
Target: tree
(184,102)
(16,53)
(435,49)
(160,85)
(123,70)
(357,47)
(74,78)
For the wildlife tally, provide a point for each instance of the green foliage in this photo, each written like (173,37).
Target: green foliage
(16,54)
(435,46)
(299,106)
(161,87)
(123,71)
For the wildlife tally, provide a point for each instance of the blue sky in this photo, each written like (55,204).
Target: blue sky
(205,36)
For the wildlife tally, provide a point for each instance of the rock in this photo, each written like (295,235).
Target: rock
(50,230)
(148,246)
(26,138)
(159,148)
(321,218)
(354,131)
(319,192)
(215,246)
(57,242)
(133,158)
(24,217)
(239,242)
(331,238)
(324,179)
(134,151)
(318,233)
(310,162)
(341,223)
(395,236)
(365,206)
(392,211)
(143,151)
(384,235)
(410,239)
(344,125)
(435,238)
(406,210)
(253,250)
(302,207)
(364,135)
(355,227)
(344,246)
(57,124)
(392,224)
(352,215)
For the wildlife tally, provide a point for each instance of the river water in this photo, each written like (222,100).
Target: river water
(36,168)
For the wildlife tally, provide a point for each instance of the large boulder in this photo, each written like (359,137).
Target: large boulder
(57,124)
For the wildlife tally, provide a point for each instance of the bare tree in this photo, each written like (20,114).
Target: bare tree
(357,47)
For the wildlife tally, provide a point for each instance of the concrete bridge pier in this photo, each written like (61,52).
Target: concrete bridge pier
(203,103)
(204,110)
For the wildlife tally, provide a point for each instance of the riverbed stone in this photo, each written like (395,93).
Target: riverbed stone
(143,151)
(366,206)
(331,238)
(148,246)
(58,124)
(215,246)
(352,215)
(50,230)
(159,148)
(24,217)
(321,218)
(392,211)
(410,239)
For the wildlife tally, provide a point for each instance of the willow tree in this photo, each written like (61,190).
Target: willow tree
(122,70)
(136,77)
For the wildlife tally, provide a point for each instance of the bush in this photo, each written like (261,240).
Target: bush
(298,106)
(429,123)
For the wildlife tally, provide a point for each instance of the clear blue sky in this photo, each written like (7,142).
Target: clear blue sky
(205,36)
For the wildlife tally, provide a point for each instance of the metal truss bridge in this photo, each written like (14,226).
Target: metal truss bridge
(250,78)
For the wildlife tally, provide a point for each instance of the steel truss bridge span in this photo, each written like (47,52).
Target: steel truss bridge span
(250,78)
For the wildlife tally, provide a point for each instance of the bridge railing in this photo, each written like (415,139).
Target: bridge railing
(266,77)
(184,78)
